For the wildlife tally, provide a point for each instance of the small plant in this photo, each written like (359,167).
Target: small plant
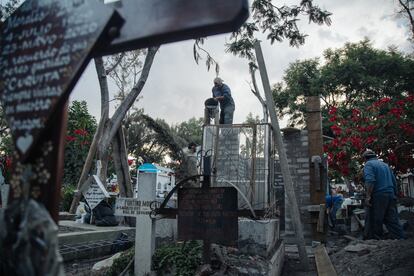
(121,263)
(178,259)
(67,195)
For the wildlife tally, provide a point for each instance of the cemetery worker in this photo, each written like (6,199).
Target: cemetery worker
(381,196)
(333,204)
(191,161)
(222,94)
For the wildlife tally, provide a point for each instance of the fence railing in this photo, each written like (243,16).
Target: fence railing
(243,155)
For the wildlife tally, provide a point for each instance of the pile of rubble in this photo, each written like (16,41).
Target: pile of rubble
(375,257)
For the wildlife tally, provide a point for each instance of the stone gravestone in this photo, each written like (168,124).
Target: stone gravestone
(94,191)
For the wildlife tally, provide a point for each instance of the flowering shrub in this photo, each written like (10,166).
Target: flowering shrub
(79,135)
(385,126)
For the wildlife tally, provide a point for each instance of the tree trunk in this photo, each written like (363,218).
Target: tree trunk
(107,129)
(120,158)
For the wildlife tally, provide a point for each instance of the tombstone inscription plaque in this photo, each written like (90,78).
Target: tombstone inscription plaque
(44,47)
(208,213)
(94,191)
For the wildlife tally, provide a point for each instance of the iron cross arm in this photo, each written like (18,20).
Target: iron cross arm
(155,22)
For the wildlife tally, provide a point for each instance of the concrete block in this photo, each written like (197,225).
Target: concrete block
(258,237)
(304,171)
(303,160)
(165,231)
(277,260)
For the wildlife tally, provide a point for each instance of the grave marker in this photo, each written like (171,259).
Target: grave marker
(94,191)
(132,207)
(208,214)
(44,47)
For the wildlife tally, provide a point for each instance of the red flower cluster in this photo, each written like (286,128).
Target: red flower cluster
(332,110)
(336,130)
(382,126)
(397,112)
(408,128)
(70,138)
(382,102)
(81,132)
(8,162)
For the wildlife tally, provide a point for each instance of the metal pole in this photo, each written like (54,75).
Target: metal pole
(283,159)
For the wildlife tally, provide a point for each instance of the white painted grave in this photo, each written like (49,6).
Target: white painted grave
(140,208)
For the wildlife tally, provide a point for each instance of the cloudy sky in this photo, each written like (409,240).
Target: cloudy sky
(177,87)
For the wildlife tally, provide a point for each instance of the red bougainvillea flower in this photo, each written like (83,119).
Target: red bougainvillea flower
(8,162)
(341,155)
(397,112)
(332,119)
(332,110)
(407,128)
(382,101)
(410,98)
(70,138)
(336,130)
(345,170)
(392,158)
(400,102)
(80,132)
(370,139)
(356,142)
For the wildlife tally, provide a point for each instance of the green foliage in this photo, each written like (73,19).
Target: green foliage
(152,140)
(278,22)
(67,195)
(191,130)
(121,263)
(350,75)
(179,259)
(80,130)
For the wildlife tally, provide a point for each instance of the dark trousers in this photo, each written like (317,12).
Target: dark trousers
(226,115)
(384,211)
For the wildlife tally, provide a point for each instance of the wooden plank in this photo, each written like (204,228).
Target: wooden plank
(321,219)
(155,22)
(324,265)
(284,166)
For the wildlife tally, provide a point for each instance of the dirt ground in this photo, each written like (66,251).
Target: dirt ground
(373,257)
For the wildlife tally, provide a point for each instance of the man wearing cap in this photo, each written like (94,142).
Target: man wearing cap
(381,197)
(222,94)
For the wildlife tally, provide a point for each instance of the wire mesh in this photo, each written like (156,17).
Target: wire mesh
(243,155)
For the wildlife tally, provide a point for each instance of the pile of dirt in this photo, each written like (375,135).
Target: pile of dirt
(375,257)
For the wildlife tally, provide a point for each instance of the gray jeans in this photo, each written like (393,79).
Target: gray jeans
(226,115)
